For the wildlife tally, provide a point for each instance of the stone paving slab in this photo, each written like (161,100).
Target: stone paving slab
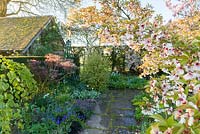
(121,104)
(113,114)
(105,121)
(94,122)
(94,131)
(103,107)
(122,131)
(123,121)
(123,93)
(120,112)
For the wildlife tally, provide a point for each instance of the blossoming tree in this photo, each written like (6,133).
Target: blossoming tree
(176,93)
(183,7)
(119,23)
(172,49)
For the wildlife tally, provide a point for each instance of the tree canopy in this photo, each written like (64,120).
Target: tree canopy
(25,6)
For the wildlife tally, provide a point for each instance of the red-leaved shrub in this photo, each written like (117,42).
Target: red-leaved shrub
(52,69)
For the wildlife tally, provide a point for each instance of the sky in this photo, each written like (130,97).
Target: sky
(158,5)
(160,8)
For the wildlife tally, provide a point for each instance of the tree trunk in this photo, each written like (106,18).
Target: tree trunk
(3,7)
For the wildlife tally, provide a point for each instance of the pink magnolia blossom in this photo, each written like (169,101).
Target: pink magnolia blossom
(155,130)
(179,71)
(168,131)
(177,114)
(190,113)
(189,76)
(181,100)
(173,77)
(193,105)
(196,89)
(182,119)
(196,66)
(190,121)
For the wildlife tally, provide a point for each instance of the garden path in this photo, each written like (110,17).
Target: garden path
(113,114)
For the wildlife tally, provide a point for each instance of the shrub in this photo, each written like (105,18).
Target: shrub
(17,87)
(53,69)
(96,71)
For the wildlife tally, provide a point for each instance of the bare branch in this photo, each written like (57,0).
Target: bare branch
(15,13)
(26,5)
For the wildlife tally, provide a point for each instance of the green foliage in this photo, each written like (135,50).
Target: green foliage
(17,87)
(52,112)
(82,91)
(95,72)
(85,94)
(166,122)
(140,99)
(117,58)
(58,111)
(42,50)
(143,120)
(126,82)
(49,42)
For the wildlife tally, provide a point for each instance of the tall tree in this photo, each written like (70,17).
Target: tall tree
(120,22)
(183,7)
(26,5)
(82,31)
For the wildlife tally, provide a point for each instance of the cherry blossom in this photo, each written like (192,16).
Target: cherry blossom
(190,75)
(168,131)
(155,130)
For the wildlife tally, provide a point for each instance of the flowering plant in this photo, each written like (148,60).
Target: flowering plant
(176,91)
(163,49)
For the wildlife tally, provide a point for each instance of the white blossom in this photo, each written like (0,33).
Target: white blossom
(190,121)
(196,89)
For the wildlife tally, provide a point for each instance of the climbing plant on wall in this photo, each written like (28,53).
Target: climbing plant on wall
(49,41)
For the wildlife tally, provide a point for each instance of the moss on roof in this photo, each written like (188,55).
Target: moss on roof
(16,33)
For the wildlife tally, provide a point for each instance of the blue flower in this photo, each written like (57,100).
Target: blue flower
(58,122)
(64,117)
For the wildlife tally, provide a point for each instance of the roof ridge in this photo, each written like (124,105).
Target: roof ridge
(18,32)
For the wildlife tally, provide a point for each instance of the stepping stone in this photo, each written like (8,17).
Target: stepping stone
(121,105)
(113,114)
(120,112)
(105,121)
(123,121)
(106,97)
(102,107)
(93,131)
(94,122)
(122,131)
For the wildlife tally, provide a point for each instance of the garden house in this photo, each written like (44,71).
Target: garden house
(29,36)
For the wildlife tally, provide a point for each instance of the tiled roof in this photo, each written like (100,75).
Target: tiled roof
(17,33)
